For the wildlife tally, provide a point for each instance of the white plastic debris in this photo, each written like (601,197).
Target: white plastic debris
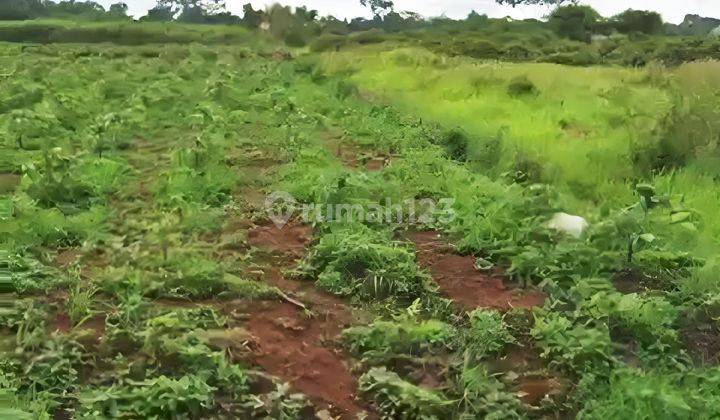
(569,224)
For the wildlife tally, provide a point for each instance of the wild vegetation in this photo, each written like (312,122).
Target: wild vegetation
(142,278)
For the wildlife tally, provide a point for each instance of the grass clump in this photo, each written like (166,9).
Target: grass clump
(150,398)
(573,346)
(354,260)
(405,334)
(190,275)
(399,399)
(487,334)
(522,86)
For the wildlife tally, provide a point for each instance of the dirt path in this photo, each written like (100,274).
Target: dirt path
(463,283)
(296,344)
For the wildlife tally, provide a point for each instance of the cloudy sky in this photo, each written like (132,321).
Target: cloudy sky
(672,10)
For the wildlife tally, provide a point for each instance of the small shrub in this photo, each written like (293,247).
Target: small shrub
(404,336)
(399,399)
(356,261)
(328,42)
(487,333)
(521,86)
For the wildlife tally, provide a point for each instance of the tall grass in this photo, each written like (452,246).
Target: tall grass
(120,32)
(584,130)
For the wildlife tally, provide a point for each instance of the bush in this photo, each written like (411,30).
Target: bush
(487,334)
(295,38)
(584,57)
(518,52)
(399,399)
(403,336)
(328,42)
(456,144)
(479,49)
(574,22)
(641,21)
(372,36)
(521,86)
(357,261)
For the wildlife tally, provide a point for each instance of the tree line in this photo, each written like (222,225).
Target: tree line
(569,21)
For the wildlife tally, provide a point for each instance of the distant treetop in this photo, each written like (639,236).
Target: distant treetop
(514,3)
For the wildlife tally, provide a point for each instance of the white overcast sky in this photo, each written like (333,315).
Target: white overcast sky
(672,10)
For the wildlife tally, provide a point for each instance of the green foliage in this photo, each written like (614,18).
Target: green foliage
(356,261)
(487,334)
(190,275)
(647,318)
(398,399)
(80,302)
(641,21)
(146,214)
(653,394)
(54,367)
(483,396)
(122,33)
(574,22)
(573,346)
(154,397)
(403,335)
(213,185)
(520,86)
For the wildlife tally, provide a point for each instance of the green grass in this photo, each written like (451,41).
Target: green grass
(122,32)
(582,130)
(145,161)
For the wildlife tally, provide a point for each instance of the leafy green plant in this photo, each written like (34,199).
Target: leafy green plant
(521,86)
(357,261)
(487,333)
(403,335)
(81,302)
(649,394)
(53,182)
(398,399)
(572,346)
(483,396)
(188,274)
(212,186)
(54,367)
(151,398)
(649,318)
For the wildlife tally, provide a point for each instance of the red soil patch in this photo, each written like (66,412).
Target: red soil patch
(291,239)
(462,282)
(701,338)
(290,345)
(533,390)
(67,257)
(62,322)
(376,164)
(533,383)
(94,331)
(518,359)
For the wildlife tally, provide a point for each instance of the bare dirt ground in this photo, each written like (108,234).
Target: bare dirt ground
(466,285)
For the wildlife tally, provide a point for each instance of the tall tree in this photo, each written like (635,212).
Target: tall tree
(193,6)
(514,3)
(643,21)
(574,22)
(159,14)
(252,18)
(378,7)
(118,10)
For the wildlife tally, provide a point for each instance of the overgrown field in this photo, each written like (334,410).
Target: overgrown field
(149,282)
